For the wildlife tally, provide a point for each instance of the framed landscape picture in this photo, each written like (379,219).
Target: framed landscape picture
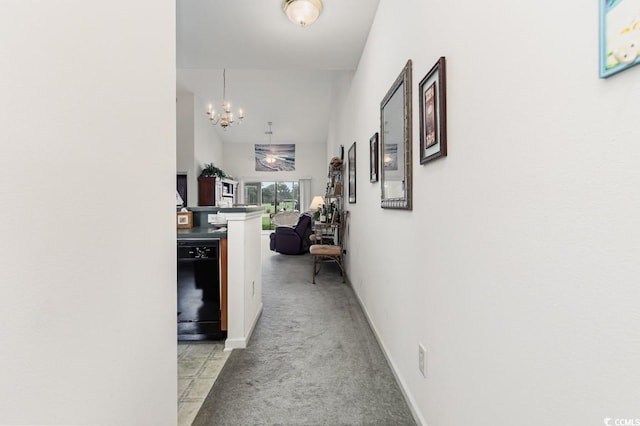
(373,158)
(275,158)
(352,173)
(433,113)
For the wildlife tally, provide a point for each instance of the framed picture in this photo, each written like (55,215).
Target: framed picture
(396,146)
(275,158)
(373,158)
(184,219)
(619,36)
(433,113)
(352,173)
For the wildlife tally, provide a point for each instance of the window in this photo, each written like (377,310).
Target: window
(274,196)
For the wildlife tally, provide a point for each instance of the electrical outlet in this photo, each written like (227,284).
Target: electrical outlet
(422,359)
(211,217)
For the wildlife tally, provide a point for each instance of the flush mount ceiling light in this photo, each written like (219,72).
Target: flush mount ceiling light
(302,12)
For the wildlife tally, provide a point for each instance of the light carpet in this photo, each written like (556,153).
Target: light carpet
(312,359)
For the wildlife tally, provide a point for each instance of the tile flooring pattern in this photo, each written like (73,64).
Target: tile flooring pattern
(199,364)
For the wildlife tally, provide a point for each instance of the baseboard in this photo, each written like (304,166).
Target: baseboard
(241,343)
(230,344)
(410,401)
(254,322)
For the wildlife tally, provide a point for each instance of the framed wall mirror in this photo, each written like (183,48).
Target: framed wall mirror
(395,143)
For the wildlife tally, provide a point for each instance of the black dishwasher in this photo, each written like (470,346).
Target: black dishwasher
(199,290)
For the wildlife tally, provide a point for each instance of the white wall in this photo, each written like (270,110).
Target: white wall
(87,293)
(518,266)
(245,277)
(339,120)
(198,142)
(185,146)
(208,145)
(311,163)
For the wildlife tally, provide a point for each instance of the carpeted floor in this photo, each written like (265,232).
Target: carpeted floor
(312,359)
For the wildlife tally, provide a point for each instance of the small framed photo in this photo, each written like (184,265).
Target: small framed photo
(373,158)
(352,173)
(619,36)
(433,113)
(184,220)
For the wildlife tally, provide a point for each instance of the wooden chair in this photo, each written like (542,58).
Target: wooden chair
(322,253)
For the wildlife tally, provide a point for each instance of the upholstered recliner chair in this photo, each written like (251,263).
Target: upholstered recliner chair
(292,239)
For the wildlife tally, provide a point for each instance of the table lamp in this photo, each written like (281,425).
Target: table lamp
(316,203)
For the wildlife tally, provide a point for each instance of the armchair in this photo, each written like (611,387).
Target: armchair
(292,240)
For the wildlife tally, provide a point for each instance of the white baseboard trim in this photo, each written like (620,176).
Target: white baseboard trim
(230,344)
(241,343)
(254,322)
(407,396)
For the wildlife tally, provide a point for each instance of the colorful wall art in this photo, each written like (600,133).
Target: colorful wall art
(619,35)
(276,157)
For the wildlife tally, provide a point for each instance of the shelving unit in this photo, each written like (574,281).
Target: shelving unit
(212,189)
(335,183)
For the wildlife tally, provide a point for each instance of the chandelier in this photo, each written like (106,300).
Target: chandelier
(302,12)
(225,117)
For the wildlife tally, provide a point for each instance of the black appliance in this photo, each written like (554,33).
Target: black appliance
(199,290)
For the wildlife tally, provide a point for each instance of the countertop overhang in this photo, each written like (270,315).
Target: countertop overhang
(202,232)
(234,209)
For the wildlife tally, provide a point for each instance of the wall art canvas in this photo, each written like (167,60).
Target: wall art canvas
(373,158)
(619,35)
(352,173)
(275,157)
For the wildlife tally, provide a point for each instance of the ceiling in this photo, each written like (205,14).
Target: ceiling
(275,70)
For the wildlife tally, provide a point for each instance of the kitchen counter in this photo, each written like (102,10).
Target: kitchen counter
(200,232)
(203,229)
(233,209)
(241,241)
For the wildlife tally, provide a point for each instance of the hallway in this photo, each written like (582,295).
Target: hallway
(312,358)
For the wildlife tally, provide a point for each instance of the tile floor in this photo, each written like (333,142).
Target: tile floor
(198,366)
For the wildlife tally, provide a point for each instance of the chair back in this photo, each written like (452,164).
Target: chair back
(304,223)
(285,218)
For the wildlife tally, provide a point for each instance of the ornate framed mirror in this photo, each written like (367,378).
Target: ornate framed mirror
(395,143)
